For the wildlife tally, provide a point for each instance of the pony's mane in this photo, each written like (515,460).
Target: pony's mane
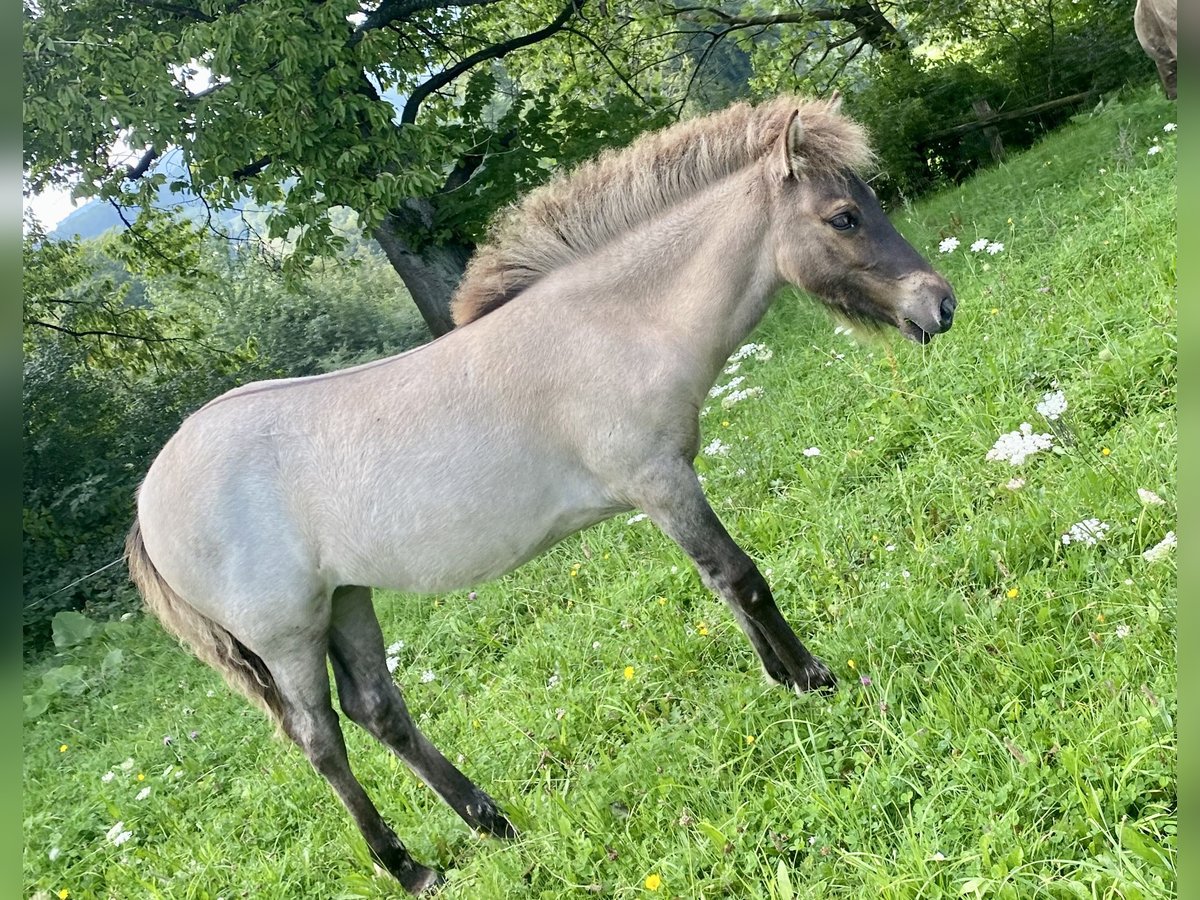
(575,214)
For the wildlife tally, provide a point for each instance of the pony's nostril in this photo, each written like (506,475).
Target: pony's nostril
(947,310)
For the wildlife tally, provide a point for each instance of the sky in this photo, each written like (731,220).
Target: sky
(52,206)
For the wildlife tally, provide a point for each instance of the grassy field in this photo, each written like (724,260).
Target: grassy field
(1005,721)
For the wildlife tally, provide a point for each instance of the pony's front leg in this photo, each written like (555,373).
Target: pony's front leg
(671,495)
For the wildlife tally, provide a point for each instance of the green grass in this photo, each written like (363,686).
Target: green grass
(1005,721)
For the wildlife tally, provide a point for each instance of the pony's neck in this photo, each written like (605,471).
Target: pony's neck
(705,271)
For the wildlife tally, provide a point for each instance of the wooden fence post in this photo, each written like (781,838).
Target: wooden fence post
(984,112)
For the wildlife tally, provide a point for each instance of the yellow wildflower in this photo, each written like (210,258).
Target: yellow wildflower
(702,629)
(1100,617)
(141,777)
(629,673)
(1012,592)
(851,663)
(1105,452)
(62,748)
(750,739)
(64,894)
(653,881)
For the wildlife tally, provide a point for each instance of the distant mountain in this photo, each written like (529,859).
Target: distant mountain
(99,217)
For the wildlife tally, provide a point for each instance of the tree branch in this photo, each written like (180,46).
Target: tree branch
(251,169)
(496,51)
(147,338)
(611,64)
(178,9)
(392,11)
(133,173)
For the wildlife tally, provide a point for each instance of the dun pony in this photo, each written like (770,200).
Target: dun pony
(592,326)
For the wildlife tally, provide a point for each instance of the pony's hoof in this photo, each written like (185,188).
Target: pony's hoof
(816,677)
(413,877)
(485,816)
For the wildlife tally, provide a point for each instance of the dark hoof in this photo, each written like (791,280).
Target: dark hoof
(484,815)
(414,877)
(816,677)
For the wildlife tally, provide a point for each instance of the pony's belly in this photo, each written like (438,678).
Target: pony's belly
(438,561)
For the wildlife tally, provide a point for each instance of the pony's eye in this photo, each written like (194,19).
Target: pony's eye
(844,221)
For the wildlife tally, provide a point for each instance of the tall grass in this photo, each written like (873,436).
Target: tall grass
(1005,721)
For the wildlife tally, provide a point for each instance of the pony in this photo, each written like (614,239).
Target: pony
(590,327)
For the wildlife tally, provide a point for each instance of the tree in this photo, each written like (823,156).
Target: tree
(389,110)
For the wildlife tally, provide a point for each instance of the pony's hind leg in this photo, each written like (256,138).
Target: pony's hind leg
(310,720)
(671,495)
(370,697)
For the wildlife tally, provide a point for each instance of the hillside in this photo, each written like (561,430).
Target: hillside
(1004,635)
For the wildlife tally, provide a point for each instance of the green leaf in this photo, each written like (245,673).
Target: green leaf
(71,628)
(715,835)
(783,882)
(1143,845)
(65,680)
(112,662)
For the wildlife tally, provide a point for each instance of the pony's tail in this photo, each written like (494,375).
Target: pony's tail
(212,643)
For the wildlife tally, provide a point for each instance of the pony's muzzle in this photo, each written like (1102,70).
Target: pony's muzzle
(929,313)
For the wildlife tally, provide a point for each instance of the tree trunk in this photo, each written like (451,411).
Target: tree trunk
(432,272)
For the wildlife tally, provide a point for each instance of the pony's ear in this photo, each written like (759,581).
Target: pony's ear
(835,100)
(790,142)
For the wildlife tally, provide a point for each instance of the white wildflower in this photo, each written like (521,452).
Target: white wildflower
(1053,405)
(716,448)
(1161,550)
(1016,446)
(719,389)
(428,676)
(735,397)
(948,244)
(117,835)
(979,245)
(1150,498)
(994,247)
(1015,484)
(1122,631)
(843,329)
(633,520)
(1170,126)
(1154,150)
(732,368)
(904,573)
(553,681)
(127,766)
(395,648)
(108,776)
(144,793)
(761,352)
(595,645)
(54,852)
(393,663)
(1088,532)
(890,548)
(812,451)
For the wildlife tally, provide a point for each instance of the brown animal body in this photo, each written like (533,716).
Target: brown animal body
(1155,24)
